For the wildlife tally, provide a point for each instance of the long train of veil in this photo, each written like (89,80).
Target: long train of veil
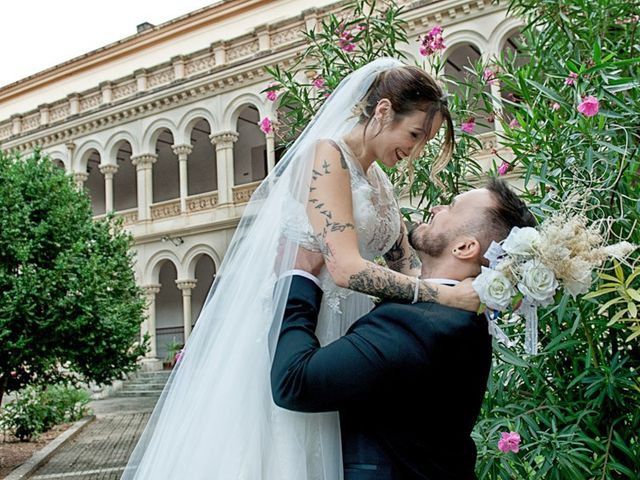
(215,418)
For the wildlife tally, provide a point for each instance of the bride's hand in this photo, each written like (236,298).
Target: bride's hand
(464,296)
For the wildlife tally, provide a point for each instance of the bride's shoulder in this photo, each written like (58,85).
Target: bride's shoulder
(331,149)
(328,143)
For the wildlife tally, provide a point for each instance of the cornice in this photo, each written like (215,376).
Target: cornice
(247,66)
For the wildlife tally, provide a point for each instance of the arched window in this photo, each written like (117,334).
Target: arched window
(250,151)
(166,174)
(202,163)
(125,195)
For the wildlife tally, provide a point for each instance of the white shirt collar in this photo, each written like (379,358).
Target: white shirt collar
(441,281)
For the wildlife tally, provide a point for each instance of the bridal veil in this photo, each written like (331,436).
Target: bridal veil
(215,418)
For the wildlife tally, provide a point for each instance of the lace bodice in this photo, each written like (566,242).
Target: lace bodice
(376,215)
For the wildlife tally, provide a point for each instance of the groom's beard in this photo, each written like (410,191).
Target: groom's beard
(427,243)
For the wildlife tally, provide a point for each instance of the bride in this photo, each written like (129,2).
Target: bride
(215,418)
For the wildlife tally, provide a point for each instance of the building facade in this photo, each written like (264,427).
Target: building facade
(162,128)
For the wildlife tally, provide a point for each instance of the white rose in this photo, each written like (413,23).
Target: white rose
(494,289)
(521,241)
(538,283)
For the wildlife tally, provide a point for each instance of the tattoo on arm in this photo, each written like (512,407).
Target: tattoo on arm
(343,161)
(382,282)
(414,261)
(395,257)
(378,281)
(428,292)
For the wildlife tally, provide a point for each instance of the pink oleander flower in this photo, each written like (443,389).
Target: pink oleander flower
(555,106)
(432,41)
(272,95)
(266,126)
(319,82)
(346,42)
(468,126)
(503,168)
(360,28)
(514,123)
(14,374)
(179,355)
(509,442)
(489,76)
(571,79)
(589,106)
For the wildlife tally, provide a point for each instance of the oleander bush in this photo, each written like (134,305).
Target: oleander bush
(569,117)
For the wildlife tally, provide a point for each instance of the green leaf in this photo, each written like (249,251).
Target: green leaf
(633,293)
(619,271)
(597,54)
(547,91)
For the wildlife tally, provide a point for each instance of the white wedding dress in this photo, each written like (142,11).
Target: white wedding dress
(216,419)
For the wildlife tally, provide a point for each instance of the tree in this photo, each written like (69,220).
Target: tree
(70,309)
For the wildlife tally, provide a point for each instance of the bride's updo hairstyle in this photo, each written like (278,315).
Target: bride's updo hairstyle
(411,89)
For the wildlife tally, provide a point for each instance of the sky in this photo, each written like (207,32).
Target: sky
(38,34)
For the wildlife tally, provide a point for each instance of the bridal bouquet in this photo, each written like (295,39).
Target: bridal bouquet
(531,265)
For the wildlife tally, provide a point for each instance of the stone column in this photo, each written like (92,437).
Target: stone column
(108,171)
(497,111)
(149,326)
(183,152)
(271,151)
(186,286)
(80,178)
(224,153)
(71,148)
(144,164)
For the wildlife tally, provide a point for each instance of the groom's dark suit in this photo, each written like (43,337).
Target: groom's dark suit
(408,381)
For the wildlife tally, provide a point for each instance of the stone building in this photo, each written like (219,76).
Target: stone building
(161,127)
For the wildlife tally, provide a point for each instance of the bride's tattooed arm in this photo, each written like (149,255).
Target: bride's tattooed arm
(401,257)
(330,211)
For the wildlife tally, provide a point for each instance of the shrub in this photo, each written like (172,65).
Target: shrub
(36,409)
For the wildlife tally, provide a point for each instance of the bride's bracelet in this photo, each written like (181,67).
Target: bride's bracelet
(416,291)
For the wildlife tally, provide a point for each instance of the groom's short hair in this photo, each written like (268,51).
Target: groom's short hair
(508,211)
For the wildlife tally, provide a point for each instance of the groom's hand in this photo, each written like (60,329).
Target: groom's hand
(308,261)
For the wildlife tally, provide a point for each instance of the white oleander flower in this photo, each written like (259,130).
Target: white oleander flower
(521,241)
(494,289)
(537,282)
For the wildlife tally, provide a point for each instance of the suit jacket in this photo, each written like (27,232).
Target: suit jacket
(408,382)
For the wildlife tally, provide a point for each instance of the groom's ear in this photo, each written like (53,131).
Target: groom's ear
(466,248)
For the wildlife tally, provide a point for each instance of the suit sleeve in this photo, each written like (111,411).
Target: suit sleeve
(308,378)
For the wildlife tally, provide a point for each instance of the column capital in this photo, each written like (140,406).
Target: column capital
(222,138)
(144,159)
(108,169)
(80,177)
(186,284)
(184,149)
(151,288)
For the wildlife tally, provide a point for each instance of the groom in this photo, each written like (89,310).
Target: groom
(407,379)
